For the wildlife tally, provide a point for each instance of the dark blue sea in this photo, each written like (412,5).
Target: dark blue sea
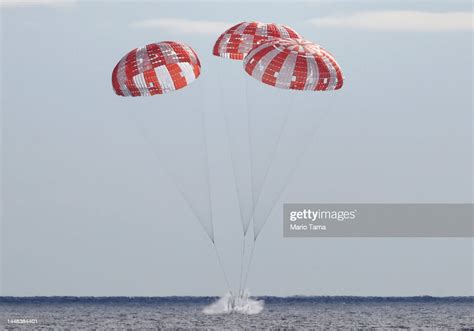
(142,313)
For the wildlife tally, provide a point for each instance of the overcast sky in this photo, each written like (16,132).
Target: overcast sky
(88,208)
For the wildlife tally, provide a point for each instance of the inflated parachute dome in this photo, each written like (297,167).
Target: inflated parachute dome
(237,41)
(295,64)
(156,69)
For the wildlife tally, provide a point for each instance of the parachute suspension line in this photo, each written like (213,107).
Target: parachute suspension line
(206,160)
(203,126)
(243,270)
(312,134)
(222,268)
(250,261)
(249,128)
(232,158)
(242,264)
(256,198)
(147,139)
(299,157)
(267,170)
(275,149)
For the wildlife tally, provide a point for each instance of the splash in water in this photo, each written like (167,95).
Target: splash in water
(241,303)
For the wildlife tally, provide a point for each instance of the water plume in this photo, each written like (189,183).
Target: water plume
(241,304)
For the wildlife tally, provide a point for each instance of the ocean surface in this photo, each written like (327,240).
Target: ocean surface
(76,313)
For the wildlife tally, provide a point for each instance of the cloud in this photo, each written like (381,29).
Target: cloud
(29,3)
(184,26)
(399,21)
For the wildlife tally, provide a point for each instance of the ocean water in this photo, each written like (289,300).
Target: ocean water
(82,313)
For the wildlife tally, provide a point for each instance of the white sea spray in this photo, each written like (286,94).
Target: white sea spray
(241,303)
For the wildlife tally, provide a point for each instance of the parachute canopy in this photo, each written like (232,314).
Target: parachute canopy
(295,64)
(238,40)
(156,69)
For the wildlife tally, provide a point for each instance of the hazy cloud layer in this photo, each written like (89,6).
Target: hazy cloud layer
(29,3)
(180,25)
(399,20)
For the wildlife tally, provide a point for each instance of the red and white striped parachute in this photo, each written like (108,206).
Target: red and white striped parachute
(156,69)
(238,40)
(295,64)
